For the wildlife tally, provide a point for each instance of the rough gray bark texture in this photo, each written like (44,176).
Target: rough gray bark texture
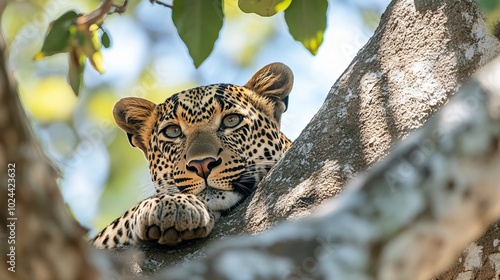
(419,55)
(480,260)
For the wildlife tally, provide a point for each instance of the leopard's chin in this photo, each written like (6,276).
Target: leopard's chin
(225,201)
(245,184)
(220,200)
(243,187)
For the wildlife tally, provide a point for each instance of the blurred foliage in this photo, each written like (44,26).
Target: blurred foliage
(371,18)
(263,8)
(63,121)
(125,185)
(48,99)
(491,8)
(198,23)
(489,5)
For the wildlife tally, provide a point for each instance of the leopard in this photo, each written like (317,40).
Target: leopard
(207,149)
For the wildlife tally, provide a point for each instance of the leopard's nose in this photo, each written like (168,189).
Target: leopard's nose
(203,167)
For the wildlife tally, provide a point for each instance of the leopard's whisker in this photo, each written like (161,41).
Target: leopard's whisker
(146,190)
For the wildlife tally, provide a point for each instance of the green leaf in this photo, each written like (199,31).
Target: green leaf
(87,41)
(76,66)
(105,40)
(198,23)
(264,8)
(77,36)
(306,21)
(58,34)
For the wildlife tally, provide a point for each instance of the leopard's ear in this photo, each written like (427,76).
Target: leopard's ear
(135,116)
(274,81)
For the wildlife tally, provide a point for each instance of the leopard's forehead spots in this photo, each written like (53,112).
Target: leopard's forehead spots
(201,104)
(209,144)
(235,157)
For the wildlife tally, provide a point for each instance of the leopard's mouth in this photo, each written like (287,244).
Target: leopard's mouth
(225,201)
(245,185)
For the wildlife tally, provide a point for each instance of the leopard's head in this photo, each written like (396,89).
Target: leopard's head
(216,141)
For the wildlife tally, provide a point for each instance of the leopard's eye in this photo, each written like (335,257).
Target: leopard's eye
(231,120)
(172,131)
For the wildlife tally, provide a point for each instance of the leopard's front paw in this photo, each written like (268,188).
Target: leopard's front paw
(170,219)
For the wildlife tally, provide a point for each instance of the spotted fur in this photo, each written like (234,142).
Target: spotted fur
(207,149)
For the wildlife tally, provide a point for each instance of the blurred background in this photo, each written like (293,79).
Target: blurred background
(102,175)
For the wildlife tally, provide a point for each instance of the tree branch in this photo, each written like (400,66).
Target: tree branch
(120,9)
(96,15)
(161,3)
(108,7)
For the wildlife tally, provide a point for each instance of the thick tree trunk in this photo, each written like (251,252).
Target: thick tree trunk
(39,238)
(407,218)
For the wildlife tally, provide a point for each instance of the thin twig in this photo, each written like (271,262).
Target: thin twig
(96,15)
(108,7)
(120,9)
(161,3)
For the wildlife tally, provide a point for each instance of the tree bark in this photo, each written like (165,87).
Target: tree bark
(480,260)
(39,238)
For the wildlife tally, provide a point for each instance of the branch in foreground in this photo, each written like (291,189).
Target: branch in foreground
(407,218)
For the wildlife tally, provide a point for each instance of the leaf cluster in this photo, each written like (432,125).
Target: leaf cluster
(198,24)
(80,41)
